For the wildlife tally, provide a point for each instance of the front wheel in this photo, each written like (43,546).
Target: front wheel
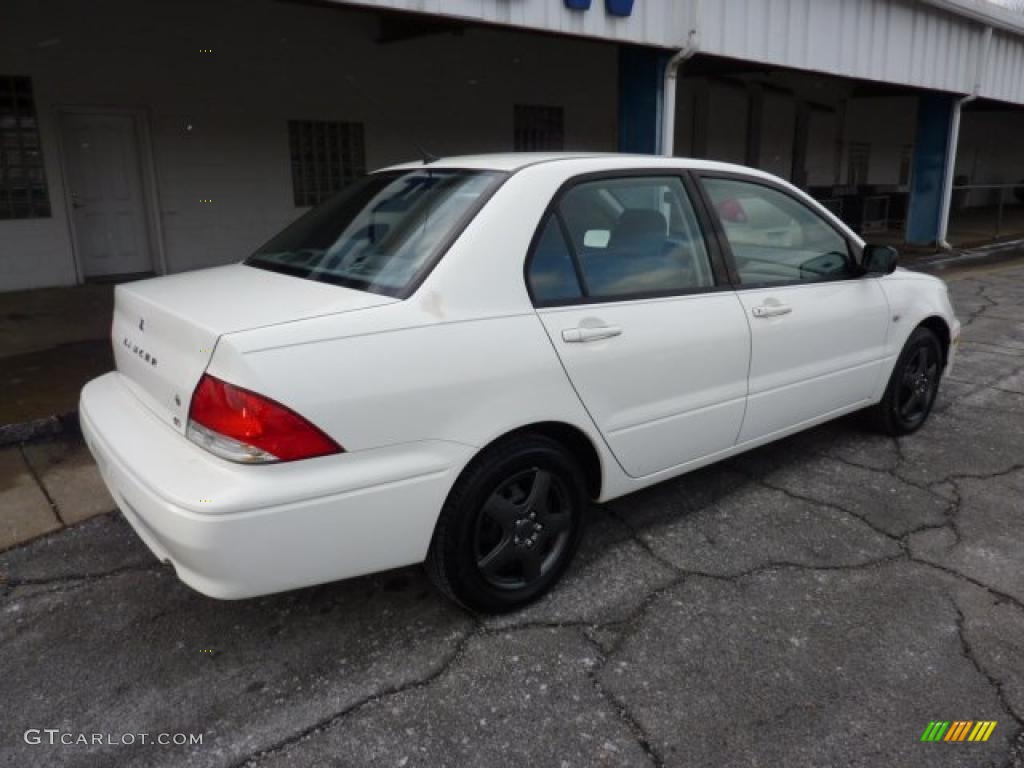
(912,388)
(510,526)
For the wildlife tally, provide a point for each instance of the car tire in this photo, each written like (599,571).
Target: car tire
(510,526)
(913,386)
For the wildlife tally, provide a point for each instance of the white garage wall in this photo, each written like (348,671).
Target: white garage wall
(272,62)
(778,121)
(822,137)
(712,122)
(991,151)
(888,125)
(727,123)
(37,252)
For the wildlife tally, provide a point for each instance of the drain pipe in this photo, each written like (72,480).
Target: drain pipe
(954,138)
(668,109)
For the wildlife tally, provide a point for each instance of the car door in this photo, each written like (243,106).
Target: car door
(818,328)
(638,307)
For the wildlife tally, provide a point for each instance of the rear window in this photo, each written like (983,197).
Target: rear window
(384,232)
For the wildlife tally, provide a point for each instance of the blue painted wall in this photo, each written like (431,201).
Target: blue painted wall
(641,80)
(931,146)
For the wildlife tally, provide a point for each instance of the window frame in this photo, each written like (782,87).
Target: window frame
(854,251)
(719,270)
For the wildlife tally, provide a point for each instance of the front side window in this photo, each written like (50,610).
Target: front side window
(383,232)
(774,238)
(629,237)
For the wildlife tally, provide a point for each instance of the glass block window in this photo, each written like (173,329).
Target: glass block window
(23,192)
(326,156)
(539,129)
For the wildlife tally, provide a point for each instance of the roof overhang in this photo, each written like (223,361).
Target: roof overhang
(984,12)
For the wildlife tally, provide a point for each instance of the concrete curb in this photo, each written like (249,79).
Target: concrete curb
(39,429)
(968,257)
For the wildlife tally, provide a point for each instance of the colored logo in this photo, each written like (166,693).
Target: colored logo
(958,730)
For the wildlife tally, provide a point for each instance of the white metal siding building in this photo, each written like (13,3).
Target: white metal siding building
(176,134)
(920,43)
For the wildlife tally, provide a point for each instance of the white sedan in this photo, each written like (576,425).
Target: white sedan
(447,362)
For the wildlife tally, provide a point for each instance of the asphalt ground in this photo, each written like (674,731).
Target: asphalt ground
(817,602)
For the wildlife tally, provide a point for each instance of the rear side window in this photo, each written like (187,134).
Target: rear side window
(626,238)
(552,274)
(382,233)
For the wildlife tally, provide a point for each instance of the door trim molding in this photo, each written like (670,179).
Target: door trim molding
(149,185)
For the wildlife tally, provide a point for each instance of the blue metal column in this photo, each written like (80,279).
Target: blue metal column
(641,81)
(931,148)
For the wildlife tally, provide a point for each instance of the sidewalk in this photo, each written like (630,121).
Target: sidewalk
(47,486)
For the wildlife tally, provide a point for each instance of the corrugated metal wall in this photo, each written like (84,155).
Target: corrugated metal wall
(1005,77)
(906,42)
(872,39)
(653,22)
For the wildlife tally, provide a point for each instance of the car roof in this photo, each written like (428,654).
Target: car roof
(499,161)
(511,162)
(572,164)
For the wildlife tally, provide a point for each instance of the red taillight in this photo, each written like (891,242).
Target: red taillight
(257,421)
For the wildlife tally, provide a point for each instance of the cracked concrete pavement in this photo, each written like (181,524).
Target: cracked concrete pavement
(816,603)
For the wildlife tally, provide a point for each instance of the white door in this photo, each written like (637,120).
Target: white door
(818,329)
(657,351)
(106,191)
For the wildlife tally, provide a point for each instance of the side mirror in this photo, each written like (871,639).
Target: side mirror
(879,259)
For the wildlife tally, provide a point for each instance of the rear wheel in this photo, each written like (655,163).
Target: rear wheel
(913,386)
(510,526)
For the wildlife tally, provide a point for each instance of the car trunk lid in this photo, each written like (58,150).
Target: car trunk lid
(164,330)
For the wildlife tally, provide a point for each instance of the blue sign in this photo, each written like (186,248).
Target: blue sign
(619,7)
(613,7)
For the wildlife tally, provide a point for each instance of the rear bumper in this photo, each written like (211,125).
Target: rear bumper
(234,531)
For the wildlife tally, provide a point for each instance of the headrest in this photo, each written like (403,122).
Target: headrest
(637,226)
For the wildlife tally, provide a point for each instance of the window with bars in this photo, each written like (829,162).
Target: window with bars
(23,191)
(539,128)
(326,156)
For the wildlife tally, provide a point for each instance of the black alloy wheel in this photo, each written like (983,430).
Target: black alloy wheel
(913,386)
(918,385)
(510,526)
(523,529)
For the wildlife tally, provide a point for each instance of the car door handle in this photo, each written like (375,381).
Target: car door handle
(771,310)
(583,334)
